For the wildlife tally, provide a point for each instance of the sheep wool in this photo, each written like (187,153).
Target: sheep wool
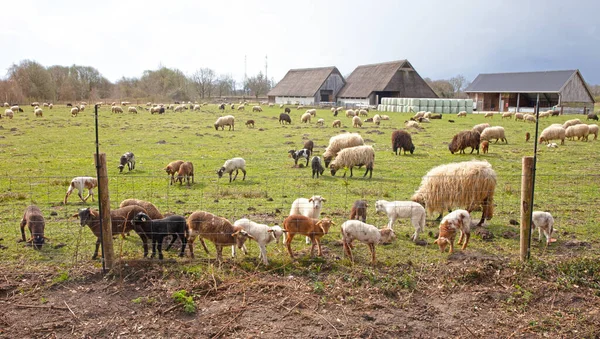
(354,156)
(553,132)
(581,131)
(495,132)
(339,142)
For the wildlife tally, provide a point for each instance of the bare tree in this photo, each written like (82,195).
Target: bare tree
(204,79)
(459,83)
(258,85)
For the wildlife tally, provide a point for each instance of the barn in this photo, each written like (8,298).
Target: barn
(519,91)
(308,86)
(396,79)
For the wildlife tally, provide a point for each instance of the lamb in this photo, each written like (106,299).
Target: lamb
(339,142)
(284,117)
(6,104)
(359,210)
(262,234)
(336,123)
(16,108)
(127,159)
(81,183)
(592,116)
(507,115)
(158,229)
(250,123)
(74,111)
(308,207)
(401,140)
(287,110)
(461,114)
(571,122)
(178,108)
(309,145)
(50,106)
(216,229)
(150,208)
(350,113)
(172,168)
(385,117)
(305,118)
(257,109)
(403,209)
(529,118)
(38,112)
(580,131)
(457,220)
(354,156)
(480,127)
(409,124)
(363,112)
(316,166)
(312,228)
(241,107)
(356,122)
(545,223)
(593,129)
(34,220)
(321,122)
(469,185)
(312,112)
(197,108)
(553,133)
(377,119)
(9,113)
(156,110)
(545,114)
(484,146)
(186,171)
(234,164)
(519,116)
(228,120)
(495,132)
(465,139)
(132,109)
(296,155)
(488,115)
(368,234)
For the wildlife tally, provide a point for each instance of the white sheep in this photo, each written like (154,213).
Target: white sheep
(580,131)
(420,114)
(132,109)
(9,113)
(495,132)
(179,108)
(368,234)
(410,123)
(507,115)
(228,120)
(339,142)
(305,118)
(81,183)
(545,223)
(593,129)
(461,114)
(6,104)
(50,106)
(519,116)
(234,164)
(387,117)
(350,113)
(312,112)
(354,156)
(257,109)
(261,233)
(377,119)
(529,118)
(363,112)
(480,127)
(553,132)
(196,108)
(487,115)
(356,122)
(567,123)
(321,122)
(403,209)
(15,108)
(38,112)
(458,220)
(310,208)
(75,111)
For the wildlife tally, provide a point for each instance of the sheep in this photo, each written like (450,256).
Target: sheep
(350,113)
(593,129)
(261,233)
(172,168)
(132,109)
(545,223)
(368,120)
(305,118)
(488,115)
(50,106)
(465,139)
(354,156)
(308,207)
(284,117)
(401,140)
(232,107)
(197,108)
(356,122)
(257,109)
(385,117)
(157,110)
(339,109)
(38,112)
(336,123)
(553,133)
(403,209)
(312,228)
(480,127)
(527,136)
(228,120)
(316,166)
(250,123)
(368,234)
(552,145)
(571,122)
(519,116)
(81,183)
(592,116)
(234,164)
(287,110)
(241,107)
(157,229)
(128,159)
(34,220)
(377,119)
(339,142)
(457,220)
(469,184)
(280,105)
(271,104)
(186,171)
(529,118)
(300,107)
(359,210)
(461,114)
(9,113)
(421,120)
(321,122)
(409,124)
(74,111)
(485,146)
(6,104)
(179,108)
(312,112)
(296,155)
(545,114)
(16,109)
(221,107)
(363,112)
(420,114)
(580,131)
(150,208)
(495,132)
(507,115)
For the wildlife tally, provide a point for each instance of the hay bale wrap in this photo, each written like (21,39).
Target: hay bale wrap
(467,185)
(453,103)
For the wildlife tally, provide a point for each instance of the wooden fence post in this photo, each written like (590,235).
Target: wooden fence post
(107,240)
(526,206)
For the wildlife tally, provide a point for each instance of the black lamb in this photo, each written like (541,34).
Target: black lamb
(174,225)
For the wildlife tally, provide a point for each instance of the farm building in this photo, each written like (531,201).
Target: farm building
(368,84)
(519,91)
(308,86)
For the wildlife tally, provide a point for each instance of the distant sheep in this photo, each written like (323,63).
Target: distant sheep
(287,110)
(172,168)
(186,172)
(309,145)
(495,132)
(571,122)
(305,118)
(359,210)
(312,112)
(459,220)
(489,115)
(234,164)
(81,183)
(241,108)
(413,124)
(228,120)
(132,110)
(485,146)
(356,122)
(9,113)
(519,116)
(377,119)
(461,114)
(507,115)
(127,159)
(38,112)
(35,222)
(350,113)
(336,123)
(401,140)
(75,111)
(592,116)
(284,117)
(354,156)
(250,123)
(593,129)
(529,118)
(544,223)
(479,128)
(465,139)
(368,234)
(296,155)
(363,112)
(553,133)
(580,131)
(321,122)
(257,109)
(339,142)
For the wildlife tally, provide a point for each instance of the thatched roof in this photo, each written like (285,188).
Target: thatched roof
(303,82)
(395,76)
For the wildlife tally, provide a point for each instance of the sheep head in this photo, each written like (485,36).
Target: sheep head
(387,235)
(221,171)
(240,237)
(86,216)
(442,243)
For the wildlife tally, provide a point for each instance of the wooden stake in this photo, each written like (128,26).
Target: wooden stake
(526,206)
(108,253)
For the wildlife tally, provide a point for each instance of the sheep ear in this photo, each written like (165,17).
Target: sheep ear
(76,215)
(436,241)
(323,199)
(235,233)
(269,231)
(310,200)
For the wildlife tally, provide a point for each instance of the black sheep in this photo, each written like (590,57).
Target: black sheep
(287,110)
(592,116)
(127,159)
(402,140)
(156,230)
(284,117)
(296,155)
(317,168)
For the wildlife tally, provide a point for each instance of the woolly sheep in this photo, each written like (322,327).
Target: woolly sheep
(571,122)
(519,116)
(529,118)
(553,133)
(321,122)
(410,123)
(350,113)
(336,123)
(228,120)
(220,231)
(376,119)
(363,112)
(339,142)
(545,223)
(132,110)
(38,112)
(465,139)
(427,115)
(469,185)
(359,210)
(241,108)
(488,115)
(6,104)
(234,164)
(75,111)
(495,132)
(457,220)
(310,208)
(197,107)
(257,109)
(593,129)
(305,118)
(150,208)
(9,113)
(356,122)
(284,117)
(401,140)
(420,114)
(507,115)
(403,209)
(50,106)
(261,233)
(368,234)
(312,112)
(479,128)
(385,117)
(354,156)
(580,131)
(592,116)
(461,114)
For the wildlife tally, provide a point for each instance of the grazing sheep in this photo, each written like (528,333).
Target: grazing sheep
(354,156)
(461,114)
(241,107)
(309,145)
(316,166)
(545,114)
(261,233)
(336,123)
(305,118)
(312,112)
(6,104)
(571,122)
(250,123)
(368,120)
(50,106)
(401,140)
(257,109)
(150,208)
(529,118)
(592,116)
(527,136)
(127,159)
(38,112)
(469,185)
(221,107)
(359,210)
(74,111)
(132,110)
(356,122)
(234,164)
(81,183)
(296,155)
(368,234)
(34,220)
(300,107)
(580,131)
(157,109)
(485,146)
(16,109)
(488,115)
(220,231)
(339,142)
(545,223)
(321,122)
(519,116)
(158,229)
(403,209)
(495,132)
(312,228)
(465,139)
(228,120)
(377,119)
(435,116)
(350,113)
(593,129)
(553,132)
(479,128)
(284,117)
(9,113)
(197,108)
(287,110)
(457,220)
(507,115)
(363,112)
(172,168)
(186,171)
(385,117)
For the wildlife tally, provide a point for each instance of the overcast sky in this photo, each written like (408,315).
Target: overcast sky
(440,38)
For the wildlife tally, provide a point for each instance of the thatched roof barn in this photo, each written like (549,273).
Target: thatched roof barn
(369,83)
(510,91)
(308,86)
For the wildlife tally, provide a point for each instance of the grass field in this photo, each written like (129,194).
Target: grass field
(41,155)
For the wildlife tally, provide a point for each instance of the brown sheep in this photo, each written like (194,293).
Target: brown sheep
(152,210)
(250,123)
(309,144)
(186,170)
(484,146)
(359,210)
(313,228)
(172,168)
(34,220)
(463,140)
(401,140)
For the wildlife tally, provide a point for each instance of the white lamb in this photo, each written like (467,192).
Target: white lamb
(305,118)
(403,209)
(312,112)
(377,119)
(38,112)
(545,223)
(9,113)
(261,233)
(196,107)
(228,120)
(321,122)
(368,234)
(310,208)
(356,122)
(553,132)
(410,123)
(234,164)
(132,109)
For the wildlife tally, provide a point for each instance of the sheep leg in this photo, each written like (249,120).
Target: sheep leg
(81,196)
(320,253)
(462,235)
(467,236)
(96,251)
(144,243)
(236,174)
(347,250)
(451,245)
(23,223)
(230,176)
(306,162)
(203,245)
(219,252)
(244,171)
(159,245)
(288,244)
(173,239)
(372,249)
(191,246)
(90,194)
(351,171)
(391,222)
(263,254)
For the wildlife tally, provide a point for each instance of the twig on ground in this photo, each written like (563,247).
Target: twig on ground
(70,310)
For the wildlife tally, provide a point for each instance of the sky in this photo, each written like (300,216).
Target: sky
(441,39)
